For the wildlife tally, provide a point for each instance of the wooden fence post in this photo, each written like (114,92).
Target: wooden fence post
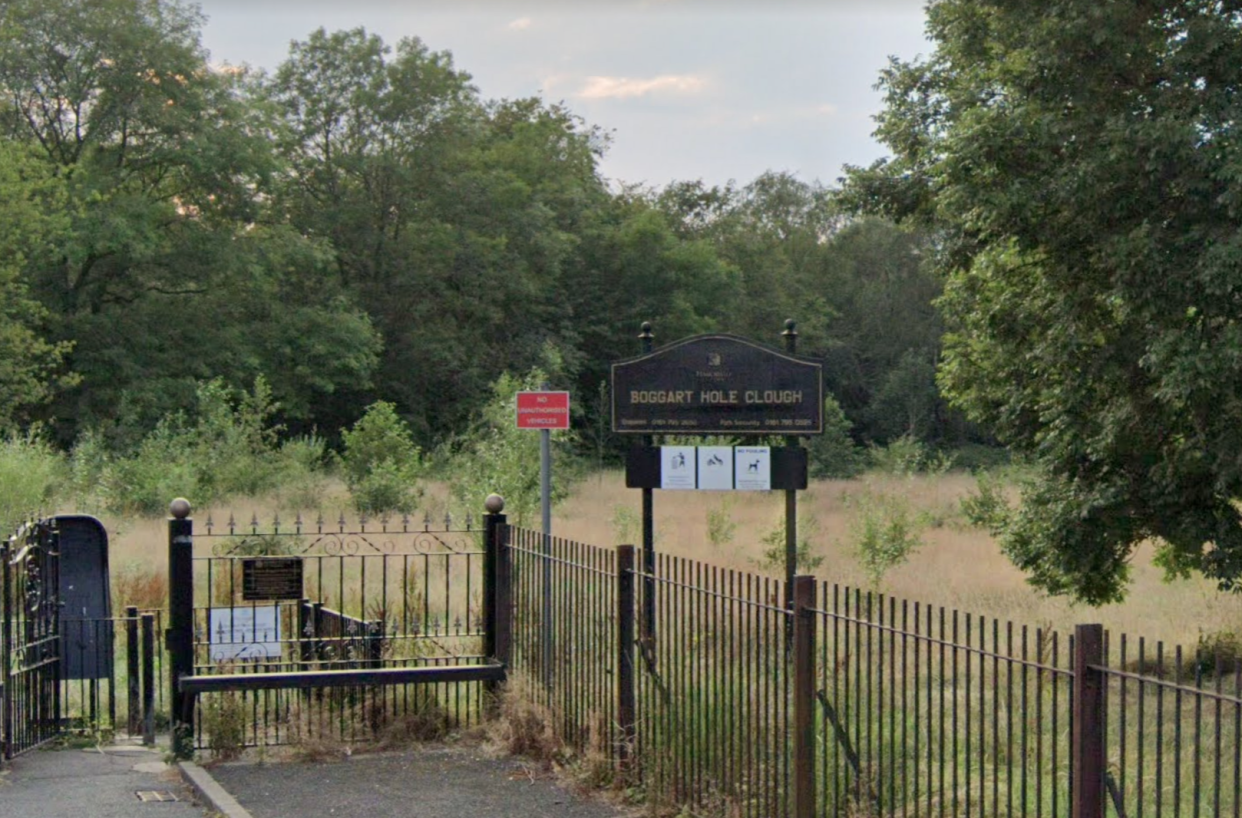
(804,696)
(1087,739)
(626,714)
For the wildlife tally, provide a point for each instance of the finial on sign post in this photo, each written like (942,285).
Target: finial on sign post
(791,335)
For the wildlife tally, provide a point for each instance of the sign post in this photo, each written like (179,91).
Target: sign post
(545,411)
(718,385)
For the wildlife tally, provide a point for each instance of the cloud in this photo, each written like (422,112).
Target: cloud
(624,87)
(520,24)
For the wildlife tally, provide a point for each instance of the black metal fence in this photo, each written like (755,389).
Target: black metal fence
(857,704)
(30,694)
(125,691)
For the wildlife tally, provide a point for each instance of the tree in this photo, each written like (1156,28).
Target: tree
(166,273)
(453,220)
(32,213)
(1079,164)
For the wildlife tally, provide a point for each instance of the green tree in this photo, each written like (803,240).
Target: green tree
(1078,164)
(453,220)
(167,273)
(31,216)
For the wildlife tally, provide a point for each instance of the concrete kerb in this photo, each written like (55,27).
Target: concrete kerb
(210,792)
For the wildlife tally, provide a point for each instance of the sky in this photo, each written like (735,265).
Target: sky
(688,89)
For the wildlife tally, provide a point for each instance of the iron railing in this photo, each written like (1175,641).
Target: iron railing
(860,704)
(565,636)
(1173,729)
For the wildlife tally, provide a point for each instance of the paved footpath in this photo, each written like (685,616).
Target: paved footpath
(93,783)
(424,782)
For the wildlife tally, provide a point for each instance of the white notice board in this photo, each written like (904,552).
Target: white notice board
(677,467)
(752,468)
(244,633)
(716,468)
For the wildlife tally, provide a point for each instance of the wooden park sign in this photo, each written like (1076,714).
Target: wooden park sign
(717,385)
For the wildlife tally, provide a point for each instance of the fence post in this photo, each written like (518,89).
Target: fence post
(804,696)
(148,679)
(6,648)
(497,595)
(1087,738)
(626,716)
(131,669)
(181,624)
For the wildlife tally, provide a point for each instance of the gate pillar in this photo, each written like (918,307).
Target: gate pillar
(180,638)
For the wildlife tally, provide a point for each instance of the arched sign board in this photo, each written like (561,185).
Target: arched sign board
(86,599)
(717,385)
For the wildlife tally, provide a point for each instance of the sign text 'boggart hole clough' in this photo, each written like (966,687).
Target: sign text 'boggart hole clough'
(718,384)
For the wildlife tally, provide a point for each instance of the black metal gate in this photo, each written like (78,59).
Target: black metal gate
(325,631)
(30,638)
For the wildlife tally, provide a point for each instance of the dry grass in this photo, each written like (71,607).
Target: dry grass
(958,566)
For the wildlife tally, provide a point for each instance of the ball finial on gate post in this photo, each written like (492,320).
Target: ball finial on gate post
(494,504)
(179,508)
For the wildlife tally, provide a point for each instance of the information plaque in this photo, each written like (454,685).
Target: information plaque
(271,578)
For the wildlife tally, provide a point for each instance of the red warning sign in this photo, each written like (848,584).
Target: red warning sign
(543,410)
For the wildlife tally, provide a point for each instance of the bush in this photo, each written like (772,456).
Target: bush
(884,534)
(774,550)
(30,471)
(907,455)
(381,463)
(987,508)
(834,455)
(227,445)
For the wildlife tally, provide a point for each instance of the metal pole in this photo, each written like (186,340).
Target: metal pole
(132,722)
(6,650)
(148,679)
(545,491)
(181,624)
(646,339)
(791,495)
(626,712)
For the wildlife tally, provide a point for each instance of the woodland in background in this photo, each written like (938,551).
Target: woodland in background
(361,226)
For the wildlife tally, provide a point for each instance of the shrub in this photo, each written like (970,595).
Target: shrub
(30,471)
(907,455)
(774,541)
(987,507)
(834,453)
(884,534)
(720,525)
(381,463)
(227,444)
